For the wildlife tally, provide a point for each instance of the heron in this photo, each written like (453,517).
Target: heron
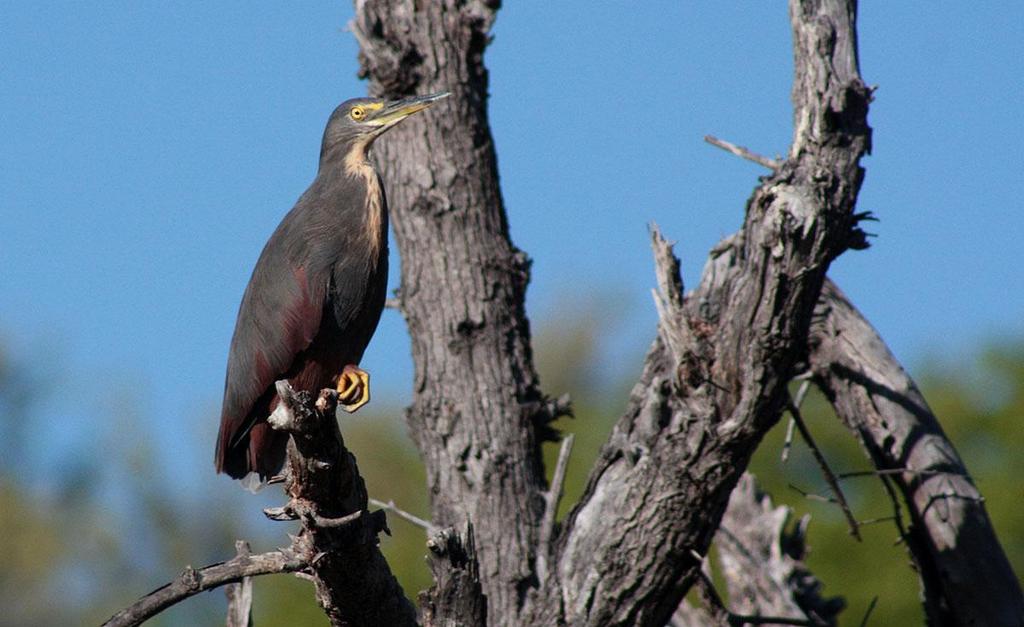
(316,294)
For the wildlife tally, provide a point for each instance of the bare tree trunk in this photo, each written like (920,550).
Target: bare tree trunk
(965,576)
(478,413)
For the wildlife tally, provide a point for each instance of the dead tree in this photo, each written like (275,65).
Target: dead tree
(714,379)
(965,576)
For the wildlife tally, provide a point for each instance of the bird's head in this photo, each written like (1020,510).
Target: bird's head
(356,123)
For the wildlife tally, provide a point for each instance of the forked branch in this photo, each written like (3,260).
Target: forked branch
(715,377)
(337,546)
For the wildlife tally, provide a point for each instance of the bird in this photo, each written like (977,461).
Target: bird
(316,294)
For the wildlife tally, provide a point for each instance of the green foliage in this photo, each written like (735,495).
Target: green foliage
(857,571)
(32,550)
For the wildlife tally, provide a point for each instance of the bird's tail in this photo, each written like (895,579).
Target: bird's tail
(258,449)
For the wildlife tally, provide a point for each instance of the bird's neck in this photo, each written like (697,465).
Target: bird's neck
(354,164)
(352,158)
(356,161)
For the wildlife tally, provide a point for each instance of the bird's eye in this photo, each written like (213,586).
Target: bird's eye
(357,113)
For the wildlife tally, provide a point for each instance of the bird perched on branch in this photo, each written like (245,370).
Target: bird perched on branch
(316,294)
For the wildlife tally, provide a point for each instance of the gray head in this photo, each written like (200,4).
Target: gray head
(357,122)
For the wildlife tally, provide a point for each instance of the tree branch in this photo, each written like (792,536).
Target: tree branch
(798,400)
(742,152)
(715,378)
(457,597)
(337,546)
(191,582)
(390,506)
(762,565)
(966,577)
(326,493)
(551,500)
(830,477)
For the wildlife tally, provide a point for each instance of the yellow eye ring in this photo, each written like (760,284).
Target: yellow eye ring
(357,113)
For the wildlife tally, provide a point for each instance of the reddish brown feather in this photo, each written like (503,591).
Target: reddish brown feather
(250,397)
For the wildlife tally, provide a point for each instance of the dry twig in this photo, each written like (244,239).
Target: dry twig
(830,476)
(743,153)
(426,525)
(798,401)
(240,595)
(551,499)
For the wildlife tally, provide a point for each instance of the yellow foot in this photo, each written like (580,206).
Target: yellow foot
(353,388)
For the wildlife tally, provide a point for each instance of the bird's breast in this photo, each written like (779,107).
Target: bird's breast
(374,219)
(376,229)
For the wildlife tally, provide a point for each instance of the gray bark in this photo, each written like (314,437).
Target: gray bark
(477,414)
(354,584)
(714,381)
(762,565)
(456,597)
(239,596)
(965,575)
(192,581)
(715,378)
(762,562)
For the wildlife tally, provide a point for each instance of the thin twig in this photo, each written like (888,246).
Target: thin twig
(801,393)
(743,153)
(554,495)
(551,500)
(240,595)
(280,514)
(788,443)
(873,521)
(813,497)
(404,515)
(191,582)
(337,523)
(798,400)
(830,477)
(897,511)
(743,619)
(867,614)
(710,599)
(893,471)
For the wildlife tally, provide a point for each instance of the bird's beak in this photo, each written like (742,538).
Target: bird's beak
(394,112)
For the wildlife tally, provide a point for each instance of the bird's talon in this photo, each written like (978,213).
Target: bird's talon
(353,388)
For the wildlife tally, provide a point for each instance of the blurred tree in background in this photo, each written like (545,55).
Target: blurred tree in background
(85,538)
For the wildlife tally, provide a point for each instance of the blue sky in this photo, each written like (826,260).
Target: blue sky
(148,150)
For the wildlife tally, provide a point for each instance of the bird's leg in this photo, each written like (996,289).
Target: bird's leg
(353,388)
